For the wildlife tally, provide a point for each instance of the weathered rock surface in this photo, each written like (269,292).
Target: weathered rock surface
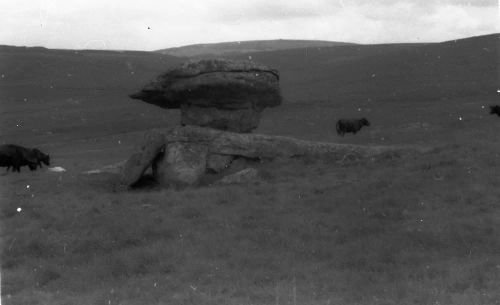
(217,162)
(152,146)
(271,147)
(190,151)
(182,164)
(239,120)
(220,83)
(243,176)
(217,93)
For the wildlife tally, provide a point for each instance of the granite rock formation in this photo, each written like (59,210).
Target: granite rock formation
(185,154)
(216,93)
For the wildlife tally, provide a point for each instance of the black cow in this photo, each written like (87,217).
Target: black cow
(495,110)
(41,157)
(16,156)
(352,125)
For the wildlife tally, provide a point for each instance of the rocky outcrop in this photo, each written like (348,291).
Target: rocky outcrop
(217,93)
(221,102)
(182,155)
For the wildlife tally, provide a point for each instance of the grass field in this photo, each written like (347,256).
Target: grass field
(419,230)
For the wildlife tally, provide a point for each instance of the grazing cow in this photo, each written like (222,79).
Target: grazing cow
(352,125)
(41,157)
(16,156)
(495,110)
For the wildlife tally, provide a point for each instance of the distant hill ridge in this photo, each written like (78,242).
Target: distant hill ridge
(41,50)
(223,48)
(383,72)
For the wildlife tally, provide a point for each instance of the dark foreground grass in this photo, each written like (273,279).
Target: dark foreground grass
(423,230)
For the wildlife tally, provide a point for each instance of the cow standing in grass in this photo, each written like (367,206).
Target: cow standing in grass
(41,157)
(495,110)
(353,125)
(16,156)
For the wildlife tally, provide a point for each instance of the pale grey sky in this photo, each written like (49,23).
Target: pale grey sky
(150,25)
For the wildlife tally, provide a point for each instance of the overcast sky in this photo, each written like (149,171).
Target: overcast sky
(150,25)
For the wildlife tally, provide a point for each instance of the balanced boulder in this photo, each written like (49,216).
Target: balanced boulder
(216,93)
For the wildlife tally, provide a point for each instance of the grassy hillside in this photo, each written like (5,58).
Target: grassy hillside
(388,72)
(225,48)
(79,69)
(341,81)
(69,94)
(419,230)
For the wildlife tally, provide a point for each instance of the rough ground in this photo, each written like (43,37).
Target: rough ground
(420,230)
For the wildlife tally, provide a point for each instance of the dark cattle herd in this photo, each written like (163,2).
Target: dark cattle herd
(16,156)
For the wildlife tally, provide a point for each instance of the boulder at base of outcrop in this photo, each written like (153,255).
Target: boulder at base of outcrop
(151,148)
(217,93)
(182,155)
(182,164)
(243,176)
(217,163)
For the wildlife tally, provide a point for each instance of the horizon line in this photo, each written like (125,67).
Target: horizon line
(240,41)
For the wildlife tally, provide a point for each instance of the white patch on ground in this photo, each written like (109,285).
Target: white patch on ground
(57,169)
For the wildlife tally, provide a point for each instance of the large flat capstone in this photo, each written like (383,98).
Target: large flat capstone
(217,93)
